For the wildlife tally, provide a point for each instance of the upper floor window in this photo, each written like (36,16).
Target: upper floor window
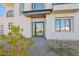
(21,8)
(10,13)
(37,6)
(63,24)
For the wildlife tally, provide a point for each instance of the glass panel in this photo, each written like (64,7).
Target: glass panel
(57,25)
(39,29)
(62,25)
(33,29)
(38,6)
(67,25)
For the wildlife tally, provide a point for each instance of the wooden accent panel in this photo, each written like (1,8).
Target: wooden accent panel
(38,16)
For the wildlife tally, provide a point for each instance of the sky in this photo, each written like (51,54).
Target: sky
(2,10)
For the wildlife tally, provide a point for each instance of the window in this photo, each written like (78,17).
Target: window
(21,8)
(37,6)
(10,24)
(63,24)
(1,29)
(10,13)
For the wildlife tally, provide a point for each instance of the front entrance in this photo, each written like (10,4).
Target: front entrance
(38,29)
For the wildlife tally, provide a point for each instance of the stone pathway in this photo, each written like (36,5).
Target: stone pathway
(39,41)
(40,49)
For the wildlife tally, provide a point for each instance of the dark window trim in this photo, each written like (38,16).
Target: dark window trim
(64,23)
(21,8)
(35,28)
(10,24)
(38,10)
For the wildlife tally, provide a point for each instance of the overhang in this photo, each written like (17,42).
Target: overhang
(37,12)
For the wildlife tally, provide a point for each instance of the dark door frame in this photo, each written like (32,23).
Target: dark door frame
(35,28)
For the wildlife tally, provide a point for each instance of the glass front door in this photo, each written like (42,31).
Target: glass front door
(38,29)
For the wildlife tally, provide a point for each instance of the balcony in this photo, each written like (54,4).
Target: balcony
(37,13)
(65,7)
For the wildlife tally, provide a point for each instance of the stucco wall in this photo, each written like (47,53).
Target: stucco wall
(66,6)
(5,22)
(29,8)
(52,34)
(48,6)
(23,21)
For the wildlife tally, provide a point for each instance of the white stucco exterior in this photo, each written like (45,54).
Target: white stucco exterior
(50,33)
(66,6)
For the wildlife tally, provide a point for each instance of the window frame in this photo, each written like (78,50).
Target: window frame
(9,25)
(8,13)
(21,8)
(2,30)
(63,18)
(34,6)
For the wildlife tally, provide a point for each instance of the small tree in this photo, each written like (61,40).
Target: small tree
(20,44)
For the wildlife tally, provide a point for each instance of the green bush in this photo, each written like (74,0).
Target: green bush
(3,51)
(3,37)
(19,43)
(17,40)
(63,50)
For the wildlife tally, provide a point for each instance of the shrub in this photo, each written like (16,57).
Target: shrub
(17,40)
(19,43)
(3,51)
(63,49)
(3,37)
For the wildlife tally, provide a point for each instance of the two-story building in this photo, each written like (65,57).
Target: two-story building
(49,20)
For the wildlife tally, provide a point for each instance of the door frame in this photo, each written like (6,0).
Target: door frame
(35,28)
